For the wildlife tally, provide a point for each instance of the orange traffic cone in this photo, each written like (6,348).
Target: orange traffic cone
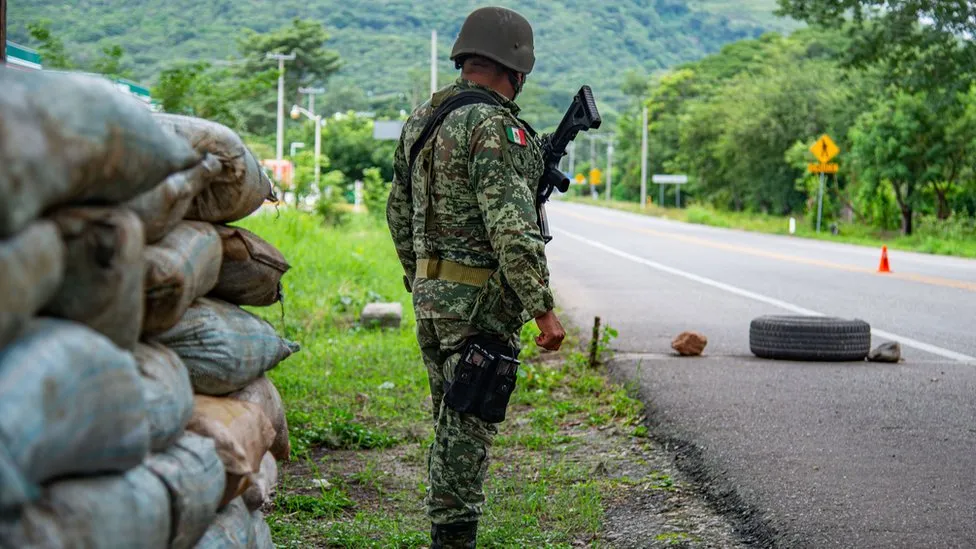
(884,267)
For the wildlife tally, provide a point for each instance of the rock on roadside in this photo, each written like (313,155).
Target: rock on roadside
(689,343)
(886,352)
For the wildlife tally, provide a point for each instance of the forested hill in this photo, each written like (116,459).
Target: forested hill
(384,45)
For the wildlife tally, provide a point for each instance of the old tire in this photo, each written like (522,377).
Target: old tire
(810,338)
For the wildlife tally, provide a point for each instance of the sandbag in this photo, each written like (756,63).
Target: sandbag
(237,528)
(104,512)
(241,433)
(262,484)
(70,403)
(73,138)
(240,188)
(167,391)
(183,266)
(224,346)
(263,393)
(251,271)
(31,271)
(194,477)
(103,272)
(261,533)
(162,208)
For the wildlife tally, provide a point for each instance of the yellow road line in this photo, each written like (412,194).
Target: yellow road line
(923,279)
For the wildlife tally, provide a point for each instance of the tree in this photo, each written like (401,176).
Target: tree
(313,64)
(347,141)
(924,44)
(217,94)
(890,144)
(110,62)
(50,46)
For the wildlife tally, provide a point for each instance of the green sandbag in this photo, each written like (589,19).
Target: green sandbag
(162,208)
(167,391)
(194,476)
(225,347)
(104,266)
(237,528)
(70,404)
(73,138)
(32,267)
(181,267)
(102,512)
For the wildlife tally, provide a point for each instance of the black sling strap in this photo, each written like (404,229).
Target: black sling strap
(453,103)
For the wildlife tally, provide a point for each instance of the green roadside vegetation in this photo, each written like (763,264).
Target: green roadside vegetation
(929,237)
(358,410)
(896,95)
(384,46)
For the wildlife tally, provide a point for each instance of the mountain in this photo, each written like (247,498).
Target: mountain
(384,45)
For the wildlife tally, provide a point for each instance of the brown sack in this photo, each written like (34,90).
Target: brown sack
(251,271)
(180,268)
(263,393)
(73,138)
(240,188)
(31,271)
(103,278)
(242,434)
(162,208)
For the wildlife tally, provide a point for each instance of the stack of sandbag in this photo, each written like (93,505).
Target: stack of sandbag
(134,410)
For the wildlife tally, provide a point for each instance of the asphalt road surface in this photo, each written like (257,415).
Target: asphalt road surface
(802,454)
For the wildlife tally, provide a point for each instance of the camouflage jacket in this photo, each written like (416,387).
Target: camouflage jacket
(482,196)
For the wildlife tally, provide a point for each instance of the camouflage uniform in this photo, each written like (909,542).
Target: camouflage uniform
(475,206)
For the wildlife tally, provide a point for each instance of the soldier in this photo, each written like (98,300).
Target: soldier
(463,219)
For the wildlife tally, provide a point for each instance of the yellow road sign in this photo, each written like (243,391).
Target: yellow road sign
(823,168)
(580,178)
(824,149)
(596,176)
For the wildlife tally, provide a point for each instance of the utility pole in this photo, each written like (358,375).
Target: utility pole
(296,112)
(572,159)
(643,203)
(433,62)
(311,93)
(281,57)
(609,167)
(592,150)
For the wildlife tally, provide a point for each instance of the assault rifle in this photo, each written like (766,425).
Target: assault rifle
(581,116)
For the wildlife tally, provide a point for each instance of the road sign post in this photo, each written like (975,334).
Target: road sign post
(824,149)
(644,159)
(676,180)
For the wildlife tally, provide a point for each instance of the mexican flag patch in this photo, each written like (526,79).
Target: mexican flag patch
(516,135)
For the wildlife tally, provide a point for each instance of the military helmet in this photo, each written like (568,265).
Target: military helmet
(499,34)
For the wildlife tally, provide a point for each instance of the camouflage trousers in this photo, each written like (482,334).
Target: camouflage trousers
(458,457)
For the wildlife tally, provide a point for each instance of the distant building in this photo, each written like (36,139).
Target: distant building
(24,58)
(21,57)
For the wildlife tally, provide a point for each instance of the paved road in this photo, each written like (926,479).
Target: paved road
(806,455)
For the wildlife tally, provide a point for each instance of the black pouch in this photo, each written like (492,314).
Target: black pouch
(484,380)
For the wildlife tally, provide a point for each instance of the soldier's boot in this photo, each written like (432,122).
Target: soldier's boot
(462,535)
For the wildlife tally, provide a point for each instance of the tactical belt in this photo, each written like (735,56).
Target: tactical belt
(442,269)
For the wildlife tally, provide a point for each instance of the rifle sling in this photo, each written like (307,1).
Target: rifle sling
(452,103)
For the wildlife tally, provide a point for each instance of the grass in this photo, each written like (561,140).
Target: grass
(935,239)
(359,414)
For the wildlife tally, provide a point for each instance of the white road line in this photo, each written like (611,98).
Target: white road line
(907,341)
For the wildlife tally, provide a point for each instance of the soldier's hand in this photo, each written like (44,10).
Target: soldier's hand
(552,334)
